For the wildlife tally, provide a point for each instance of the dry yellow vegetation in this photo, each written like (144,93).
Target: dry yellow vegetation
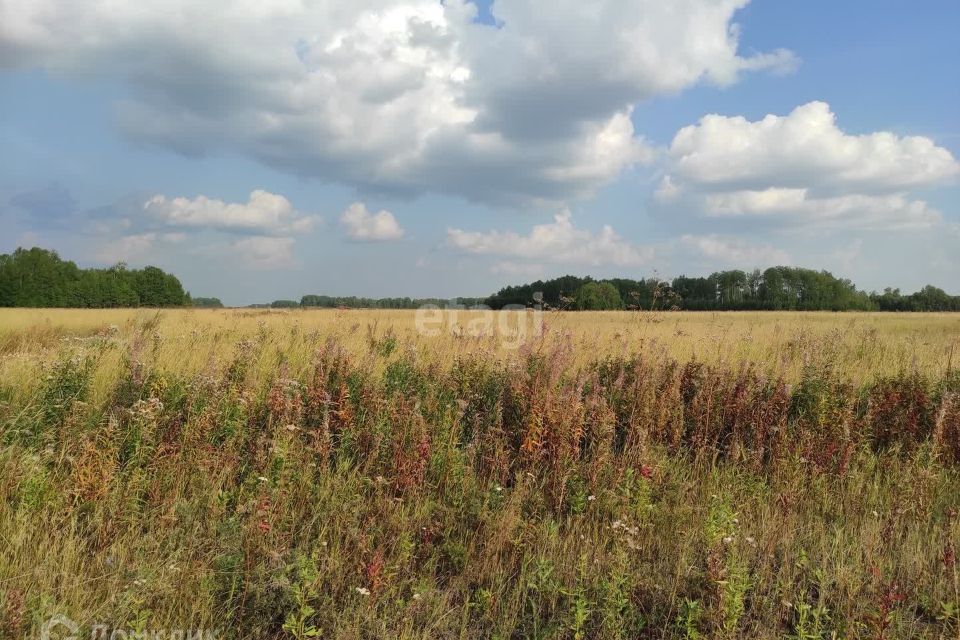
(863,346)
(379,474)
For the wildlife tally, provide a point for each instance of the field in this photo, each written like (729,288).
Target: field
(379,474)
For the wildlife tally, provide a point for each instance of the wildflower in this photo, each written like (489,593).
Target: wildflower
(417,596)
(363,591)
(727,539)
(591,498)
(949,557)
(262,478)
(498,488)
(751,541)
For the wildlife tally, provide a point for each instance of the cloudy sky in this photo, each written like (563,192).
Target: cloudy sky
(265,149)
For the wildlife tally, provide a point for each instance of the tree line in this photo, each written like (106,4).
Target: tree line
(776,288)
(40,278)
(354,302)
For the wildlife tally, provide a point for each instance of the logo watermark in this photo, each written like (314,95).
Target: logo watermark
(60,627)
(513,324)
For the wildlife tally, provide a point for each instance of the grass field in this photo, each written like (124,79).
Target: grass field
(344,474)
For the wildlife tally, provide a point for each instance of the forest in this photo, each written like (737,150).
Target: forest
(774,289)
(40,278)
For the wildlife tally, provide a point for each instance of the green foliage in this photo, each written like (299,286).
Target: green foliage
(353,302)
(207,303)
(776,288)
(688,620)
(39,278)
(598,296)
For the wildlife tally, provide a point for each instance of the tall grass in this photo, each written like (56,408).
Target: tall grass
(273,480)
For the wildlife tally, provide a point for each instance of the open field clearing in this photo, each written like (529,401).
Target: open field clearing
(859,346)
(379,474)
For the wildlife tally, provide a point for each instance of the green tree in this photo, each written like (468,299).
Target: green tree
(598,296)
(40,278)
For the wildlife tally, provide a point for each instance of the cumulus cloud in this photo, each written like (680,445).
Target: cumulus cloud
(264,213)
(363,226)
(894,211)
(734,252)
(134,246)
(802,168)
(265,252)
(558,242)
(393,94)
(517,269)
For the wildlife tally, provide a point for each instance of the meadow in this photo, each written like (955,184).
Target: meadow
(345,474)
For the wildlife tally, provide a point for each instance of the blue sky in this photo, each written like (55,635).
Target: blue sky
(413,148)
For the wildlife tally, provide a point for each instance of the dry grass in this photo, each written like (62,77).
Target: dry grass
(337,474)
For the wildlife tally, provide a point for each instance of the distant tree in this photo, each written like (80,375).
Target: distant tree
(776,288)
(39,278)
(353,302)
(598,296)
(284,304)
(210,303)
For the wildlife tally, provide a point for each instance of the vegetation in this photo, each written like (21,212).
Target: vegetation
(295,475)
(597,296)
(207,303)
(775,289)
(353,302)
(39,278)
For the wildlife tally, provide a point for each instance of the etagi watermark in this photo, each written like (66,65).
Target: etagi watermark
(513,324)
(60,627)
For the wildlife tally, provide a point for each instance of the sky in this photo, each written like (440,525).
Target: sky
(267,149)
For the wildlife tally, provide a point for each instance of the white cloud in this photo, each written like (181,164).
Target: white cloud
(133,247)
(803,169)
(558,242)
(409,95)
(264,252)
(511,268)
(801,148)
(264,212)
(363,226)
(865,211)
(734,252)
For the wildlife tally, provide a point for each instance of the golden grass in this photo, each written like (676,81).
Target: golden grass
(865,346)
(300,474)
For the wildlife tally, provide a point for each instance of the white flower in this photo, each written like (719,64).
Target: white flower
(727,539)
(591,498)
(262,478)
(363,591)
